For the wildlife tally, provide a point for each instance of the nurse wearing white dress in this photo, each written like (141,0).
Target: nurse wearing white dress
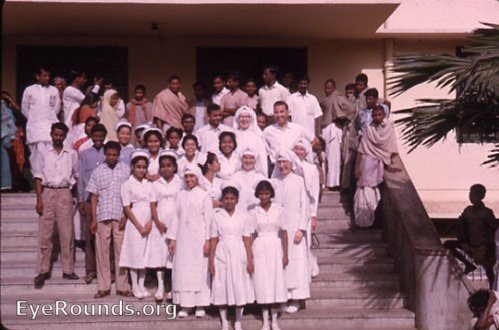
(137,194)
(229,159)
(246,180)
(210,166)
(231,284)
(153,138)
(165,189)
(189,244)
(250,136)
(268,253)
(292,196)
(191,153)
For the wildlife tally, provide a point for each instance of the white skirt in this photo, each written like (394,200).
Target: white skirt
(156,253)
(231,284)
(134,245)
(268,278)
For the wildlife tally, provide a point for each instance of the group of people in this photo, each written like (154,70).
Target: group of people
(210,189)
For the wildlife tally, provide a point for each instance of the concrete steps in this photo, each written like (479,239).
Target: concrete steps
(356,287)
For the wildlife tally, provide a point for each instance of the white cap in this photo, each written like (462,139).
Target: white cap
(152,129)
(143,126)
(122,123)
(168,152)
(140,153)
(193,169)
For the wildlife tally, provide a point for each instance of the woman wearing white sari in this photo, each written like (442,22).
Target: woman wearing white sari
(249,135)
(109,114)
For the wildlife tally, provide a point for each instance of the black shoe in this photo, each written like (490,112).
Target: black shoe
(40,280)
(70,276)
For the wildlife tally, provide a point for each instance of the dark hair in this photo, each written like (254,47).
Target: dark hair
(112,145)
(264,185)
(186,116)
(322,142)
(140,87)
(261,114)
(199,84)
(40,69)
(190,137)
(92,118)
(332,82)
(350,86)
(218,75)
(173,129)
(478,300)
(233,75)
(99,128)
(212,107)
(108,81)
(136,160)
(229,134)
(73,74)
(378,108)
(362,78)
(121,126)
(251,80)
(230,190)
(90,98)
(278,103)
(272,69)
(60,126)
(172,159)
(480,189)
(210,159)
(148,134)
(174,77)
(373,92)
(305,77)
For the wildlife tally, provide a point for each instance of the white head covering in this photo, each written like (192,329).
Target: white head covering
(140,153)
(290,156)
(193,169)
(142,126)
(169,152)
(122,123)
(308,148)
(253,123)
(249,151)
(151,129)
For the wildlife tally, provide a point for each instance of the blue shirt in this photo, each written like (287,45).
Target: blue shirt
(88,161)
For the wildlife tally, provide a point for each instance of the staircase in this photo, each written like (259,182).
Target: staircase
(356,288)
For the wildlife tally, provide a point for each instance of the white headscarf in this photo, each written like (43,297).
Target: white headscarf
(109,116)
(253,122)
(290,156)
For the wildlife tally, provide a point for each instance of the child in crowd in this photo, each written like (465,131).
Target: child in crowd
(165,190)
(320,160)
(476,235)
(191,152)
(153,139)
(267,253)
(208,135)
(233,100)
(188,124)
(210,166)
(230,161)
(124,132)
(483,305)
(231,284)
(138,131)
(107,220)
(173,138)
(189,244)
(252,90)
(137,194)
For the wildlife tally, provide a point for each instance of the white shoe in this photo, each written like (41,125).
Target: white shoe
(145,293)
(275,327)
(169,295)
(265,326)
(183,313)
(159,295)
(238,327)
(137,293)
(291,309)
(200,312)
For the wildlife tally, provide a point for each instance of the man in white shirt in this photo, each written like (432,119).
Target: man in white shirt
(304,107)
(284,134)
(219,89)
(208,134)
(54,178)
(197,106)
(73,96)
(40,105)
(271,92)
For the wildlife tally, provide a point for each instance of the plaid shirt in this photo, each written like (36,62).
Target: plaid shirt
(106,184)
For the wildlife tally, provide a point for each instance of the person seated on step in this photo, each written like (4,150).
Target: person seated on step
(483,305)
(476,234)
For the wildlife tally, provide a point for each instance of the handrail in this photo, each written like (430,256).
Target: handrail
(436,287)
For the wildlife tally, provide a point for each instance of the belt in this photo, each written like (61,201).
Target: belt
(52,187)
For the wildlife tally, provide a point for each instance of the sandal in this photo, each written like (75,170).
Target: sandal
(124,293)
(102,294)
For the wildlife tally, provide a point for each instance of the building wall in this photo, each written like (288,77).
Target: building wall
(441,174)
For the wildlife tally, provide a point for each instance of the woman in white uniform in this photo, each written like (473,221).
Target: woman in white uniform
(231,285)
(153,138)
(210,183)
(246,180)
(190,145)
(249,135)
(229,159)
(268,255)
(137,195)
(292,196)
(165,189)
(189,244)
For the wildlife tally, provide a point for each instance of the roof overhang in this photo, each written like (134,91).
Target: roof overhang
(248,19)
